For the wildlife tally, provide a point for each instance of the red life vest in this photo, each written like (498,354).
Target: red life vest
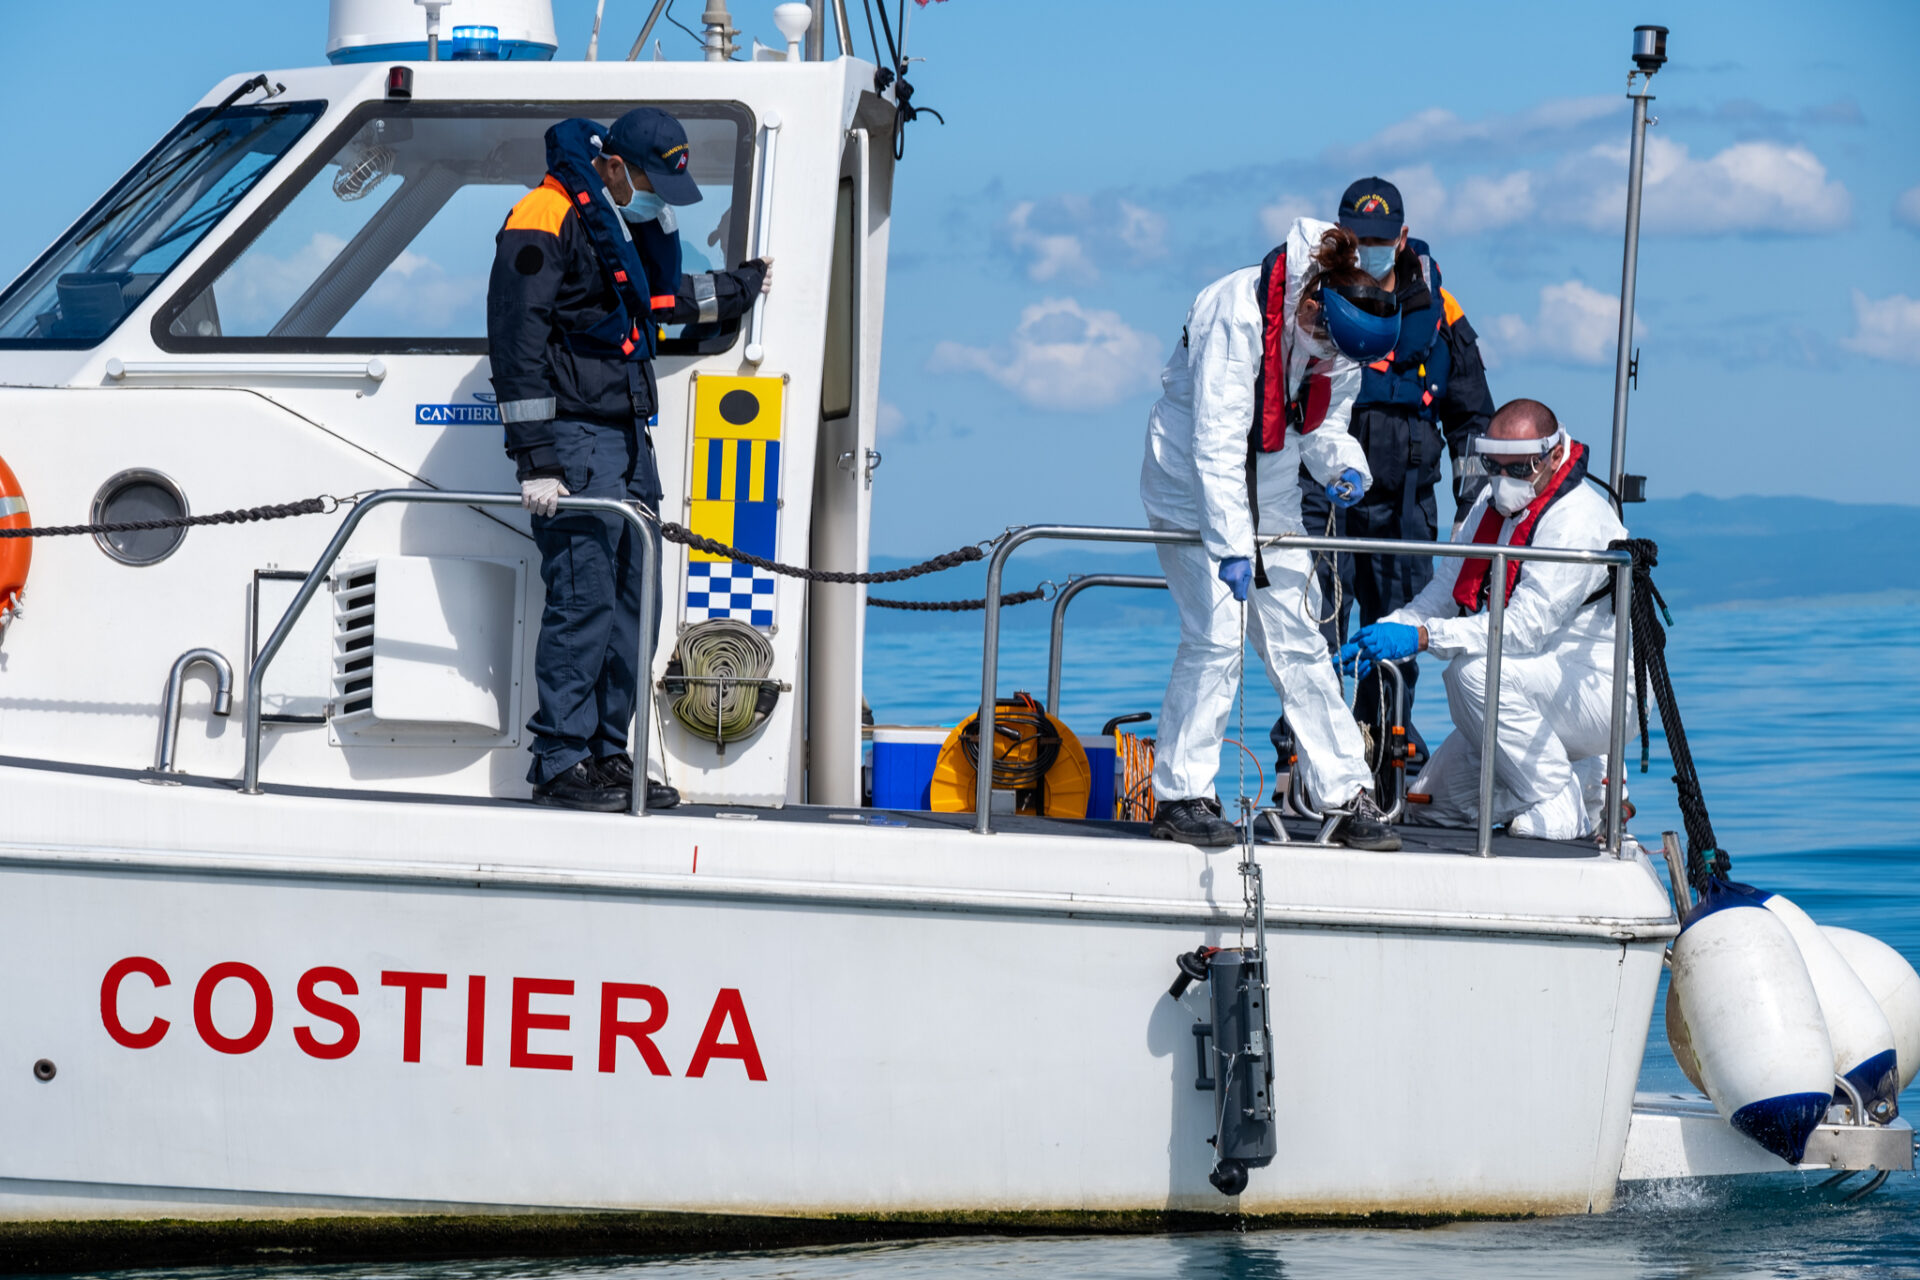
(1470,588)
(1273,411)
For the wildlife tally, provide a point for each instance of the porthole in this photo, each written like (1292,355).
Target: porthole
(139,495)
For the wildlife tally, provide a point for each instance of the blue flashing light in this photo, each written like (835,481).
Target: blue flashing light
(475,44)
(416,51)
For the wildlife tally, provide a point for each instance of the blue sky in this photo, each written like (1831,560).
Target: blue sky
(1100,165)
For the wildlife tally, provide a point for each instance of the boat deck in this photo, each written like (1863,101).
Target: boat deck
(1300,831)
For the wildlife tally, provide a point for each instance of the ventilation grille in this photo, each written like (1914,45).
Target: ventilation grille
(353,605)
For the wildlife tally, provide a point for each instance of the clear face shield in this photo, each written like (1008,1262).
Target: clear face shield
(1513,459)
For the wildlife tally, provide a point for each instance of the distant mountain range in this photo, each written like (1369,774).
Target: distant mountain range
(1714,553)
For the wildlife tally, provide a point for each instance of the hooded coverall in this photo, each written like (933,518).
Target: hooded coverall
(1556,681)
(1195,478)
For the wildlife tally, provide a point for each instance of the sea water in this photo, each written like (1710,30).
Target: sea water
(1803,724)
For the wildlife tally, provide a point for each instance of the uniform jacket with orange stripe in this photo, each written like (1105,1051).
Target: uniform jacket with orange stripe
(546,293)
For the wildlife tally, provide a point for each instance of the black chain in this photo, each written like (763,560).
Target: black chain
(688,538)
(324,505)
(957,606)
(1706,860)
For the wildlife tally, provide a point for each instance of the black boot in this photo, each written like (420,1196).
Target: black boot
(617,772)
(1192,822)
(1365,827)
(580,787)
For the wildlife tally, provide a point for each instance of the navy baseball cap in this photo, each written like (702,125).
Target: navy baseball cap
(653,141)
(1371,209)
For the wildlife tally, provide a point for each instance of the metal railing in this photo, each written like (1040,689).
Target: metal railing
(1496,624)
(1057,648)
(639,745)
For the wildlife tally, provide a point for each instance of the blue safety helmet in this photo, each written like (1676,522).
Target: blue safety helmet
(1363,321)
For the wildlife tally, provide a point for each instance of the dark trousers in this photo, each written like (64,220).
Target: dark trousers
(1403,453)
(584,665)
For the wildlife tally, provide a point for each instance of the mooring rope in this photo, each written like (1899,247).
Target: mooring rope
(325,504)
(1705,858)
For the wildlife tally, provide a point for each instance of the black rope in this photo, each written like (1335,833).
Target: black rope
(1706,860)
(688,538)
(957,606)
(278,511)
(895,68)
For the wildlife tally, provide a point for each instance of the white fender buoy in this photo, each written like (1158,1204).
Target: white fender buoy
(1750,1020)
(1862,1037)
(1895,986)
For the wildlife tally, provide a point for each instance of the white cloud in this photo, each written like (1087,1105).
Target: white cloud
(1436,129)
(1576,324)
(1070,237)
(1887,328)
(1054,254)
(1750,186)
(1063,356)
(1906,209)
(890,422)
(259,288)
(1278,218)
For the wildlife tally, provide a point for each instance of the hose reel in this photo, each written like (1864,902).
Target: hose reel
(719,680)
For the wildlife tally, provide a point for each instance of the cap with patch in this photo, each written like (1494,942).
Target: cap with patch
(653,141)
(1371,210)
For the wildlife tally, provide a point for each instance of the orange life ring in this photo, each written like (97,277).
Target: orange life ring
(15,553)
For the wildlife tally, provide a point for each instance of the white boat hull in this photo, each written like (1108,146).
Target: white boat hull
(1447,1041)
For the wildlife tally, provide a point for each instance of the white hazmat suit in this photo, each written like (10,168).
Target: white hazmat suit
(1195,477)
(1556,681)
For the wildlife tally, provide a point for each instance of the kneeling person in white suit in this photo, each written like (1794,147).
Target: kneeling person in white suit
(1556,665)
(1264,379)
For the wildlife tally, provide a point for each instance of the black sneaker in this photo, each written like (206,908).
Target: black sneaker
(617,772)
(1365,827)
(580,787)
(1192,822)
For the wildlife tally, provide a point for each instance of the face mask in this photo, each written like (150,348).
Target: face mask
(1377,259)
(646,206)
(1511,496)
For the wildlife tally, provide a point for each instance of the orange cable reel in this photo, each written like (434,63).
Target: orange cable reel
(1025,737)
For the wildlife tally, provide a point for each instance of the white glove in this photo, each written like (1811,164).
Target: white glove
(541,495)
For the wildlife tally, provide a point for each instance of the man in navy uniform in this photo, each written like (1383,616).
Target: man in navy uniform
(585,271)
(1420,402)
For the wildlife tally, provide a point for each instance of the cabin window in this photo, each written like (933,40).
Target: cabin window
(82,288)
(836,379)
(385,241)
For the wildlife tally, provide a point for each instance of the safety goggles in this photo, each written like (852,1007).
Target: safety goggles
(1518,459)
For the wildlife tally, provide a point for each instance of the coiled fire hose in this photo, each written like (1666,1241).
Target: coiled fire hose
(716,676)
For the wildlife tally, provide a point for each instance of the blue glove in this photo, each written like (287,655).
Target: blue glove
(1388,641)
(1238,574)
(1353,661)
(1346,491)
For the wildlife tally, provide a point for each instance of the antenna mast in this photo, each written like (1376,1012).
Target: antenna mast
(1649,53)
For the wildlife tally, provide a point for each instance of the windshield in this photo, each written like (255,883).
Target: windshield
(387,243)
(84,286)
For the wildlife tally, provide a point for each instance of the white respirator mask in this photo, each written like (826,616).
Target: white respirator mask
(1510,494)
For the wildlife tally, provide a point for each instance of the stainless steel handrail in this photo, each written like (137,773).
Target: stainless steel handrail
(1496,618)
(638,736)
(1057,647)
